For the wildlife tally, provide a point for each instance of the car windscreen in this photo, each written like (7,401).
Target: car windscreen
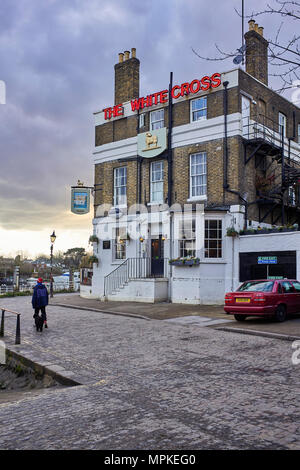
(255,286)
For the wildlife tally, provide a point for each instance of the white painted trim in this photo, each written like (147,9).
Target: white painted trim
(197,198)
(187,134)
(206,130)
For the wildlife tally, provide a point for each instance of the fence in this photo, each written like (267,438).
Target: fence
(57,287)
(18,326)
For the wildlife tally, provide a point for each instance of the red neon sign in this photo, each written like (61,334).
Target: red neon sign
(162,97)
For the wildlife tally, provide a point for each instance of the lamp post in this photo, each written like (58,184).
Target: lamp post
(52,238)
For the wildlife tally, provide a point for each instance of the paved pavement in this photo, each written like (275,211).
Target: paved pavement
(151,384)
(157,311)
(207,315)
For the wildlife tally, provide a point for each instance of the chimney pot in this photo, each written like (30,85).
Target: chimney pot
(126,53)
(256,52)
(121,57)
(251,24)
(133,52)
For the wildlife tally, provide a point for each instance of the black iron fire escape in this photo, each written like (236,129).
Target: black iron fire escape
(276,171)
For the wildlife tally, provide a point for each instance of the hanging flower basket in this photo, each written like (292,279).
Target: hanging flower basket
(93,239)
(93,259)
(231,232)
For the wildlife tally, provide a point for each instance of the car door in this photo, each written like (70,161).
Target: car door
(289,297)
(296,285)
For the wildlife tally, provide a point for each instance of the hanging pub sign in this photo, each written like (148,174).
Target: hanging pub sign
(80,199)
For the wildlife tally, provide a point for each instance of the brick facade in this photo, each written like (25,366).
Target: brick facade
(241,178)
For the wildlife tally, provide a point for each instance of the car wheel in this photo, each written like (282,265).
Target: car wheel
(240,317)
(280,314)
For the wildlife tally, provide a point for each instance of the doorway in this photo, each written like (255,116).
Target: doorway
(157,257)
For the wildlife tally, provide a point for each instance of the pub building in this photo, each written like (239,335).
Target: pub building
(198,184)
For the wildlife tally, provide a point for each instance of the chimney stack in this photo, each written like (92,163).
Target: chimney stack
(256,52)
(127,77)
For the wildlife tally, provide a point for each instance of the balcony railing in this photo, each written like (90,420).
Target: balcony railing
(262,127)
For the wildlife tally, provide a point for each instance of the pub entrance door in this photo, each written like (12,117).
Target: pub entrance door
(157,257)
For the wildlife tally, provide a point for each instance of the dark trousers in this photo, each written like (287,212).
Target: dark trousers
(43,311)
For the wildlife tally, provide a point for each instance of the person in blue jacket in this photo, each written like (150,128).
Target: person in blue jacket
(39,302)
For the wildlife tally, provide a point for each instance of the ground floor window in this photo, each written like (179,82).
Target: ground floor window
(86,275)
(213,238)
(120,243)
(187,237)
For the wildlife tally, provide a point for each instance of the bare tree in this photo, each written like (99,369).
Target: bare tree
(284,55)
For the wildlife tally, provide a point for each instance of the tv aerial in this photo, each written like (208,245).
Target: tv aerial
(240,57)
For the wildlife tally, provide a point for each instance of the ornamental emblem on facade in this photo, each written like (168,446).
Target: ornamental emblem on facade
(151,144)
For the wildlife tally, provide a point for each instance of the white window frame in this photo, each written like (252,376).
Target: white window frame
(202,195)
(120,199)
(142,120)
(119,251)
(202,107)
(292,195)
(282,123)
(187,237)
(157,121)
(209,241)
(299,134)
(157,170)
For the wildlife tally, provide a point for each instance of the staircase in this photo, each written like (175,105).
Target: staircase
(130,269)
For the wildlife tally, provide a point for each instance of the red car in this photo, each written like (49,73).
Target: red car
(265,297)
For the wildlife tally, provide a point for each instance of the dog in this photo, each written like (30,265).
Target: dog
(39,322)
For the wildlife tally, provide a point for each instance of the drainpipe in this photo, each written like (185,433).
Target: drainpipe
(170,166)
(170,181)
(225,156)
(170,290)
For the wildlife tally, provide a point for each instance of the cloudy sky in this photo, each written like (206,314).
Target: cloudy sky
(57,59)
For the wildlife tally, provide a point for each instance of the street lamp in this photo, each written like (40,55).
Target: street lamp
(52,238)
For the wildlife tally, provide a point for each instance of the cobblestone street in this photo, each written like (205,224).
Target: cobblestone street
(150,384)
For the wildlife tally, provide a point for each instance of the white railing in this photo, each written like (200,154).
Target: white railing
(57,287)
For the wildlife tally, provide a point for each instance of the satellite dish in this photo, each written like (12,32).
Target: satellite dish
(238,59)
(242,49)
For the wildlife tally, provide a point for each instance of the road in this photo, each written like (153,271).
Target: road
(151,384)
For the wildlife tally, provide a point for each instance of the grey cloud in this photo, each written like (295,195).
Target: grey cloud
(57,60)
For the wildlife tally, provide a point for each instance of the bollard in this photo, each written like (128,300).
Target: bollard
(2,324)
(18,330)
